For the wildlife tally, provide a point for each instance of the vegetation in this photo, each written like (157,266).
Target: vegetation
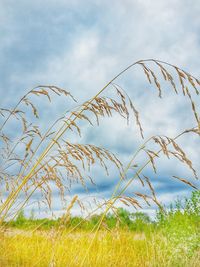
(172,240)
(34,160)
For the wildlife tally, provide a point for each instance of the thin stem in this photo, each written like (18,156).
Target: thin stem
(10,200)
(115,198)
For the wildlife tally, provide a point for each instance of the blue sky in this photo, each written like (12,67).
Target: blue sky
(81,45)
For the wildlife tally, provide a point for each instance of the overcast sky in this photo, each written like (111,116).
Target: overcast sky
(81,45)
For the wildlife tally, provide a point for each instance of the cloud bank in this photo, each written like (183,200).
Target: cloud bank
(81,45)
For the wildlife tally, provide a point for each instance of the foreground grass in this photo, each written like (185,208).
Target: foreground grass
(173,240)
(115,248)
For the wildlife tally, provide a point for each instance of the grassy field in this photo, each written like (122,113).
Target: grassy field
(115,248)
(173,240)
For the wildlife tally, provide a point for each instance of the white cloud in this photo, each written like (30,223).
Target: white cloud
(95,50)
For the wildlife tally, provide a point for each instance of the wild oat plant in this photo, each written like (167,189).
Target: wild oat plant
(35,161)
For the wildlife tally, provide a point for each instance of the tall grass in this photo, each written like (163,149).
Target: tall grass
(32,160)
(171,240)
(121,249)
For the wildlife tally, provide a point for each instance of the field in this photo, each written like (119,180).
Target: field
(117,248)
(173,240)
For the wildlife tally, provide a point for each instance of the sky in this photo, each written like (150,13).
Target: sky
(81,45)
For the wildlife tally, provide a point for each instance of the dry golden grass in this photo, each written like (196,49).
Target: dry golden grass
(36,159)
(117,248)
(49,157)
